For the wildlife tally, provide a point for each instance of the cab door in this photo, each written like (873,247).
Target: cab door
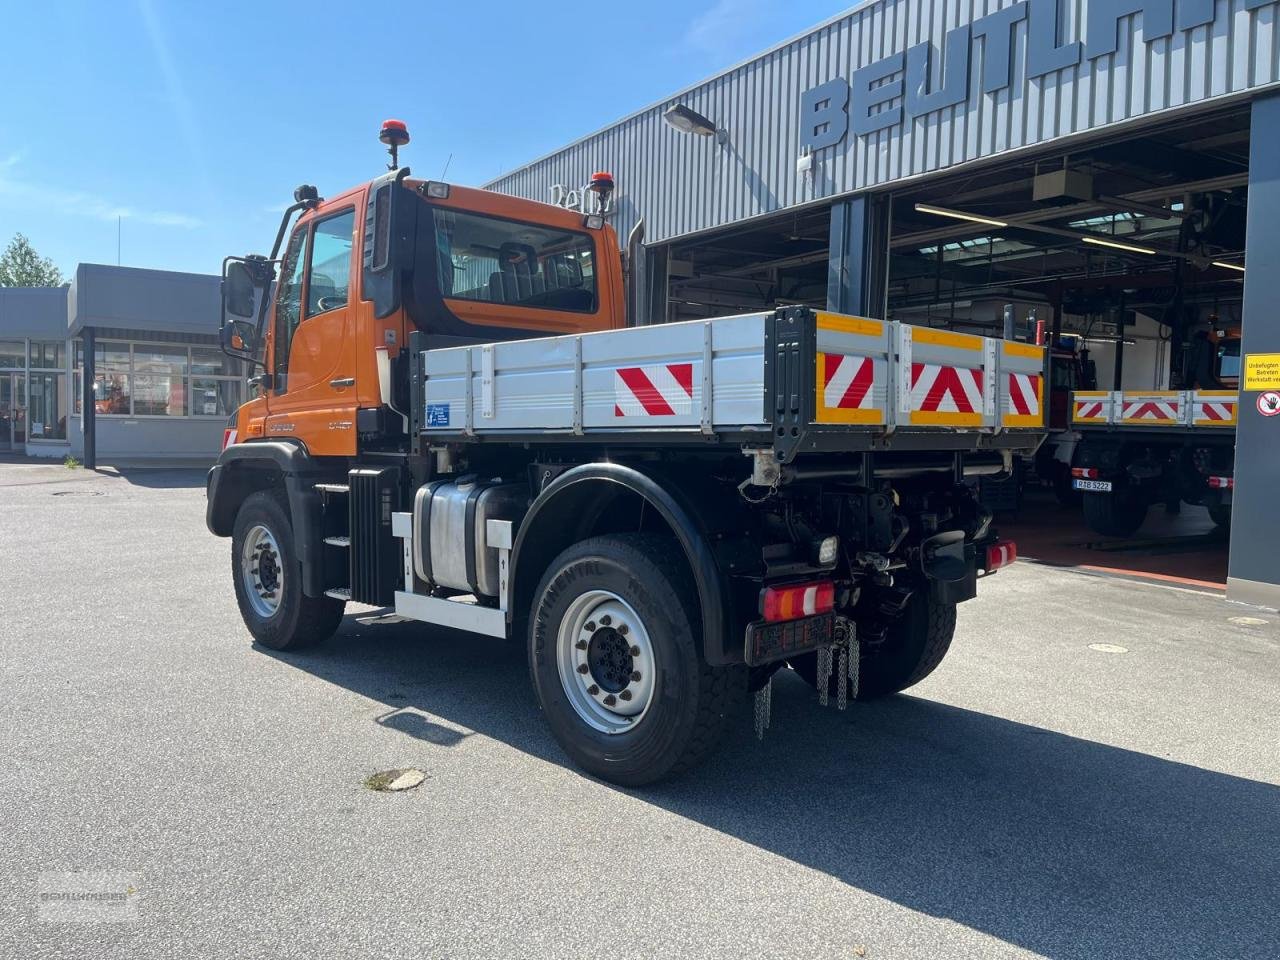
(313,395)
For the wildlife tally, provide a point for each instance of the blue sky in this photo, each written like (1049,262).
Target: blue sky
(192,122)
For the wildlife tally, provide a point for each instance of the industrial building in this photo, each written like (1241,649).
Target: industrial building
(162,387)
(1098,169)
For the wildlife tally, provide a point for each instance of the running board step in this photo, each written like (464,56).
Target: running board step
(333,488)
(338,593)
(338,541)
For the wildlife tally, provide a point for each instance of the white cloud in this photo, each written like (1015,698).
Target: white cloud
(80,203)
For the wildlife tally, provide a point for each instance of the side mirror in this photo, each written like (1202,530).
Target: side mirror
(239,338)
(239,290)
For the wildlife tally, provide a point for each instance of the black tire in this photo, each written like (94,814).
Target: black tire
(298,621)
(1115,514)
(1221,516)
(690,700)
(914,645)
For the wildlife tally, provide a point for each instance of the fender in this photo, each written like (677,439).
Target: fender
(245,468)
(695,517)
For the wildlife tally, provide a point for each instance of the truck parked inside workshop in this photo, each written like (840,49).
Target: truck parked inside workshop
(455,419)
(1145,447)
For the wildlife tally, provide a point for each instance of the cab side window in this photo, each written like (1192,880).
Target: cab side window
(330,281)
(289,303)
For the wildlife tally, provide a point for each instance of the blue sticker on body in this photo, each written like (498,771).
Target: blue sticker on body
(437,415)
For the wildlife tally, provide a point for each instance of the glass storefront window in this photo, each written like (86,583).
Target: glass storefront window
(149,358)
(159,396)
(47,406)
(11,354)
(214,398)
(213,362)
(48,354)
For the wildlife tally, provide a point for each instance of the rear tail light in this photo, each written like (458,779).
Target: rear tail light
(1085,473)
(797,601)
(1222,483)
(228,437)
(1001,555)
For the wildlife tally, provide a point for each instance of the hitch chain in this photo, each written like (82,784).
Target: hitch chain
(841,658)
(764,708)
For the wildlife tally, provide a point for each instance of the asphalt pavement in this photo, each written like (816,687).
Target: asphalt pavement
(1092,773)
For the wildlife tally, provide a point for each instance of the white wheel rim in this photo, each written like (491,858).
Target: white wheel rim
(606,662)
(262,571)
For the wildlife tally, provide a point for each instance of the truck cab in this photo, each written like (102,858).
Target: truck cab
(470,266)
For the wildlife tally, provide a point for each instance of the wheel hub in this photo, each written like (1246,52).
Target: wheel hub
(262,571)
(609,660)
(606,662)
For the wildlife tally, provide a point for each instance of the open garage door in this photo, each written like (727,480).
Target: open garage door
(1128,257)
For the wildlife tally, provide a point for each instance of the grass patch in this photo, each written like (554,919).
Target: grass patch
(71,463)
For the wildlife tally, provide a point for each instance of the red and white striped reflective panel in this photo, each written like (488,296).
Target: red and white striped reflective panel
(1222,483)
(1088,409)
(1219,411)
(1156,411)
(849,383)
(1001,555)
(1024,394)
(941,389)
(662,390)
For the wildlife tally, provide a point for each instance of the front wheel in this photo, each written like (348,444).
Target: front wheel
(616,664)
(268,579)
(913,646)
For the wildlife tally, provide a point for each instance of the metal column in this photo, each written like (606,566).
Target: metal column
(858,272)
(88,409)
(1255,525)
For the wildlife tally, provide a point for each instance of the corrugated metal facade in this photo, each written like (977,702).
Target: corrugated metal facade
(684,184)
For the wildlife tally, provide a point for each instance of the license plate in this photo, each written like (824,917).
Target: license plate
(769,642)
(1094,486)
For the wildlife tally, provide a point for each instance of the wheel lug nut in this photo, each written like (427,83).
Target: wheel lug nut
(634,651)
(635,676)
(593,689)
(623,629)
(583,668)
(625,695)
(606,620)
(610,700)
(581,644)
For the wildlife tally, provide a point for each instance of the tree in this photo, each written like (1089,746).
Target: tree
(21,266)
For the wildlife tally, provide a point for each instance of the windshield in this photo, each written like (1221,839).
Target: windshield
(519,264)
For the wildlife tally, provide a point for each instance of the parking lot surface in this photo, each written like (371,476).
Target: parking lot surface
(1093,772)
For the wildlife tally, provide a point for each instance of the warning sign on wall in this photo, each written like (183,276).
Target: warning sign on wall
(1262,371)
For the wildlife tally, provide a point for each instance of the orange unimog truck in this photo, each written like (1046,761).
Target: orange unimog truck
(455,419)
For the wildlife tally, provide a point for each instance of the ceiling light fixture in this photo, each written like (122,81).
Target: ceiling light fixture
(1127,247)
(959,215)
(1228,266)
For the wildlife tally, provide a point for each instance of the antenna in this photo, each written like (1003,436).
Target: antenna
(119,219)
(446,166)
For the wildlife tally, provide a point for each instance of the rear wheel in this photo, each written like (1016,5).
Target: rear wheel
(913,647)
(1221,516)
(1118,514)
(268,579)
(615,659)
